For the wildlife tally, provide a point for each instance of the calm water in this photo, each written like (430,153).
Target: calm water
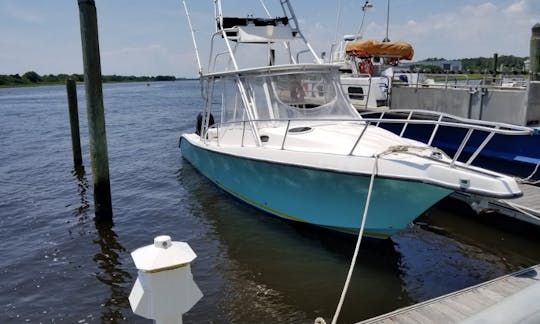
(57,265)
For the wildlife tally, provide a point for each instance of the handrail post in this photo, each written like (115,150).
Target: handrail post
(406,124)
(461,146)
(435,129)
(481,147)
(243,131)
(368,91)
(360,137)
(380,118)
(286,132)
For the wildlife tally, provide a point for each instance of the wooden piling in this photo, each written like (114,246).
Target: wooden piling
(495,63)
(71,88)
(95,110)
(534,56)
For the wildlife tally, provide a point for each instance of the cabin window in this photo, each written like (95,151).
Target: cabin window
(356,93)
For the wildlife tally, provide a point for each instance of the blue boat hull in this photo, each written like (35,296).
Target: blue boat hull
(330,199)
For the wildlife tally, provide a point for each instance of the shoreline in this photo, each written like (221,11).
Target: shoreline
(39,84)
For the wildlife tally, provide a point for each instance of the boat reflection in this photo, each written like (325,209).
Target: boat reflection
(290,271)
(280,267)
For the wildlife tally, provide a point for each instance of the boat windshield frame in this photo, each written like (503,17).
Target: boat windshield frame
(297,91)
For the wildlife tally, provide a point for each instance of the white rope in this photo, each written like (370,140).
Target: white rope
(358,241)
(527,179)
(390,150)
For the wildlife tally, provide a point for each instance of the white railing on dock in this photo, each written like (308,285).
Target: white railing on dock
(449,81)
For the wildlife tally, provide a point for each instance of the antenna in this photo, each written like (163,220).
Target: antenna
(386,39)
(365,7)
(338,20)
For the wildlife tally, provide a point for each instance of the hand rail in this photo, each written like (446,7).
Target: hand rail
(491,128)
(286,132)
(520,81)
(359,138)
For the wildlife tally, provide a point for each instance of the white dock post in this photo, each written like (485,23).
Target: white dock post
(164,289)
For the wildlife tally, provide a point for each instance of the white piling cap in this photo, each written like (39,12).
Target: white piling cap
(163,255)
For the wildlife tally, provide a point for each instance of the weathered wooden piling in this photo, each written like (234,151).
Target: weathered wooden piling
(95,110)
(495,63)
(535,53)
(71,88)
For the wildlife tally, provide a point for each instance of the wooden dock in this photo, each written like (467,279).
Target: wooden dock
(525,208)
(509,295)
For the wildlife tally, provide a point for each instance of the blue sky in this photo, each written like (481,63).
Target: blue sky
(142,37)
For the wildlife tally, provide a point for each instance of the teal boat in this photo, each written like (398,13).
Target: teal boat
(282,137)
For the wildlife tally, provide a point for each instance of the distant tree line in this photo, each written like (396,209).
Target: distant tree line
(31,78)
(509,63)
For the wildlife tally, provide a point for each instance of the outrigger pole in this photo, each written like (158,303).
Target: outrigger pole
(193,37)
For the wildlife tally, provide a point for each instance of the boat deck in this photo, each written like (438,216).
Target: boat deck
(529,202)
(483,301)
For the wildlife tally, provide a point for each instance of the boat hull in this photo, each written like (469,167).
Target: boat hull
(320,197)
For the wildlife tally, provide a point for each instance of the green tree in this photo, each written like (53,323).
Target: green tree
(32,77)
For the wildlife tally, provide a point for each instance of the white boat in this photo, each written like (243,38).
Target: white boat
(366,66)
(366,69)
(364,80)
(284,138)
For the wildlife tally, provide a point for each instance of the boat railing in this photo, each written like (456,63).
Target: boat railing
(465,81)
(442,119)
(490,128)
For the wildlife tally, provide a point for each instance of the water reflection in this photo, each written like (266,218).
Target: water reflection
(289,272)
(107,259)
(283,269)
(112,273)
(81,211)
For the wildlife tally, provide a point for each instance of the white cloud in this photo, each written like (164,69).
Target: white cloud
(411,23)
(480,10)
(478,29)
(516,8)
(470,31)
(525,7)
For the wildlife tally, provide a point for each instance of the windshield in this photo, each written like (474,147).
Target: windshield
(297,95)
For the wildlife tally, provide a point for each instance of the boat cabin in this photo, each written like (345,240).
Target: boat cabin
(278,95)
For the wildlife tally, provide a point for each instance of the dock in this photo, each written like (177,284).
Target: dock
(525,208)
(511,298)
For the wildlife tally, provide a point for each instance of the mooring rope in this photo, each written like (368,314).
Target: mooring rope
(390,150)
(526,180)
(358,241)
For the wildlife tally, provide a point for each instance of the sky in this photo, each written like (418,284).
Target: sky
(142,37)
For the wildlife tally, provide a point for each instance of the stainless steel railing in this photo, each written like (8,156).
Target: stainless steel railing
(490,128)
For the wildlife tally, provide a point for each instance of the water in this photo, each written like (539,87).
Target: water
(58,266)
